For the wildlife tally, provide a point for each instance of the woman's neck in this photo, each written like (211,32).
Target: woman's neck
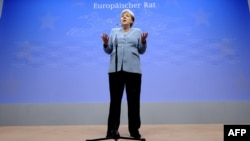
(126,28)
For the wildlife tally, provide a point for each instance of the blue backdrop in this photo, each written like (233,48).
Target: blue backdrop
(51,51)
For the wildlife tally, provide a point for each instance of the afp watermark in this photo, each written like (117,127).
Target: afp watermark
(236,132)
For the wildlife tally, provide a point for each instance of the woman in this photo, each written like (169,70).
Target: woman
(125,72)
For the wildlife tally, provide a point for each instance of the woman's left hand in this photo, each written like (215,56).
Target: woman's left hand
(144,37)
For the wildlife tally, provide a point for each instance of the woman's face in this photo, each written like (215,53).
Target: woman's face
(126,18)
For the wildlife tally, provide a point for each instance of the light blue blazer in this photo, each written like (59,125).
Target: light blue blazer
(129,48)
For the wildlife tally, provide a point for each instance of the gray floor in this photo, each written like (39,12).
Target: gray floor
(173,132)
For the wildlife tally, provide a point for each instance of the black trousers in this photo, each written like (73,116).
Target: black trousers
(117,82)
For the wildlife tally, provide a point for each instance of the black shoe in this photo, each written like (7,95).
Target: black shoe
(135,134)
(114,134)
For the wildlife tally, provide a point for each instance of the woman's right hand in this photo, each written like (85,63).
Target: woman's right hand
(105,38)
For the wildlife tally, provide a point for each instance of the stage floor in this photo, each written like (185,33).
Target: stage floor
(169,132)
